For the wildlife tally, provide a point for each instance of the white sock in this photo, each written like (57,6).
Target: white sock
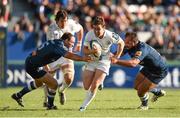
(145,97)
(63,87)
(89,97)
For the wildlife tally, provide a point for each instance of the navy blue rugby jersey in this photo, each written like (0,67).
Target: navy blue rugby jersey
(148,56)
(48,52)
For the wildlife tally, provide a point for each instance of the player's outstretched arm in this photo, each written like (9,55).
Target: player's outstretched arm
(119,49)
(87,51)
(76,57)
(128,63)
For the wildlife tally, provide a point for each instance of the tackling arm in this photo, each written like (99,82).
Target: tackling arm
(75,57)
(129,63)
(87,51)
(120,49)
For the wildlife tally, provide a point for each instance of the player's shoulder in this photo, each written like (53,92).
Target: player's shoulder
(57,42)
(108,33)
(90,33)
(142,45)
(71,21)
(111,35)
(90,36)
(53,25)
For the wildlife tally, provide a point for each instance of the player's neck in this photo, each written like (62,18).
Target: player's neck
(100,37)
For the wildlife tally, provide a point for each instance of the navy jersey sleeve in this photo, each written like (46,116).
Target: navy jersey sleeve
(61,51)
(140,53)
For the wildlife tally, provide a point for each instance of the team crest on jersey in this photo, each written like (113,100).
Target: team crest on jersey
(138,53)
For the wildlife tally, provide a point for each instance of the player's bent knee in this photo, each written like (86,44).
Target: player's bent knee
(55,84)
(52,83)
(38,83)
(68,78)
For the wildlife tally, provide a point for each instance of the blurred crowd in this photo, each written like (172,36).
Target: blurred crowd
(159,18)
(4,13)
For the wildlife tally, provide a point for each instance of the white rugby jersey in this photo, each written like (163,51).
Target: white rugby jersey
(108,39)
(54,32)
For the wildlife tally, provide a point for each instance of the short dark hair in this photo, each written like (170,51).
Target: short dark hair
(132,35)
(66,35)
(61,14)
(98,20)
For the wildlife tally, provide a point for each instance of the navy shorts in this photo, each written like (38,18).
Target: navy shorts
(35,72)
(154,78)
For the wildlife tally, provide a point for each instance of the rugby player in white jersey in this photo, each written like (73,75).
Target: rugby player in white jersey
(95,72)
(61,25)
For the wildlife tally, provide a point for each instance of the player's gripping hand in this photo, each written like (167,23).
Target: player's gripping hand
(113,60)
(87,59)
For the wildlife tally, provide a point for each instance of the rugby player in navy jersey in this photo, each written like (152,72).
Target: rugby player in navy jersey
(153,71)
(49,52)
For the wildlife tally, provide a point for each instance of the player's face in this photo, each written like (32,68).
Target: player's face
(70,43)
(129,43)
(98,30)
(62,23)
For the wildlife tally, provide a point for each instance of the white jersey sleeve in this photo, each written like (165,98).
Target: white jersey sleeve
(115,38)
(73,26)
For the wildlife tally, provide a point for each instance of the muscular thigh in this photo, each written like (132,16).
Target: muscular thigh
(49,81)
(99,76)
(87,77)
(145,86)
(139,79)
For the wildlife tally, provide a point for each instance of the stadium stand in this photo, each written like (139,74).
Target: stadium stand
(150,18)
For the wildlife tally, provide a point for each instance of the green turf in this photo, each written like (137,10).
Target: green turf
(107,103)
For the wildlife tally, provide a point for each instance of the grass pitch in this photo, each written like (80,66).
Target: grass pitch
(107,103)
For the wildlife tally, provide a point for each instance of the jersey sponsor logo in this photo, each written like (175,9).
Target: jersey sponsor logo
(115,36)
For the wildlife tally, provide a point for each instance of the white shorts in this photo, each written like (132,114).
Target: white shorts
(61,62)
(102,65)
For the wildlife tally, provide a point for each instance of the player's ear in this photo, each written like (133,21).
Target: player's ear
(66,40)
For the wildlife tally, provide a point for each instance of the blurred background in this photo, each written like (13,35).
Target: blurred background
(24,23)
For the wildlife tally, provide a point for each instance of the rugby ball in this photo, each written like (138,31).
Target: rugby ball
(95,45)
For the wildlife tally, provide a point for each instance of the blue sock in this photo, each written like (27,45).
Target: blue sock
(51,95)
(156,91)
(30,86)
